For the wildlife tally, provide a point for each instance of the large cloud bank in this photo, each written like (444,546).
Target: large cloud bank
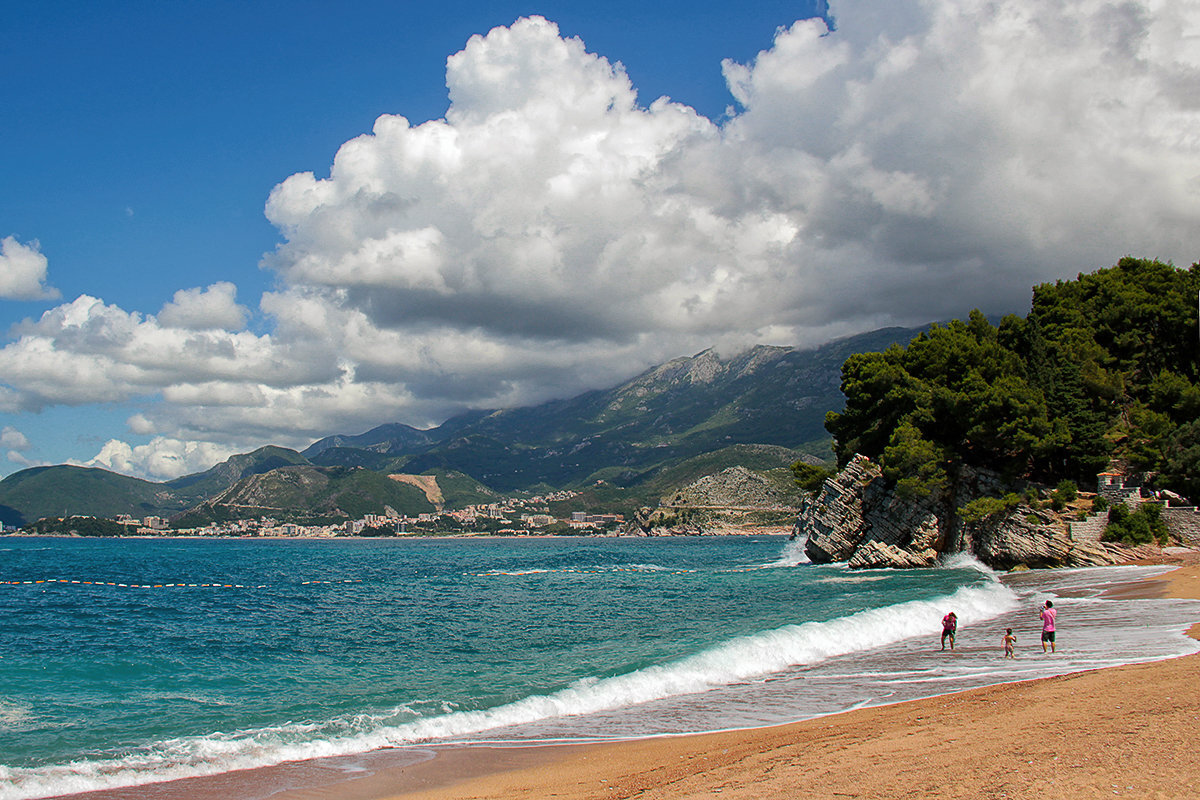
(553,232)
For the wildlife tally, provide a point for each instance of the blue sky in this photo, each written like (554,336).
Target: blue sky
(142,138)
(551,228)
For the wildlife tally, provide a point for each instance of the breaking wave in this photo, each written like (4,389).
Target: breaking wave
(735,660)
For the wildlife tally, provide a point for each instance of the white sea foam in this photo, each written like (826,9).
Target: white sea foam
(494,572)
(13,714)
(965,560)
(738,660)
(876,575)
(793,553)
(588,570)
(792,556)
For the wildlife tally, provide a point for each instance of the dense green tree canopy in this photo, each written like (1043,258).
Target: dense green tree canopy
(1104,367)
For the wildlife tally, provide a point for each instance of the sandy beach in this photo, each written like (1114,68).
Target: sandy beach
(1121,732)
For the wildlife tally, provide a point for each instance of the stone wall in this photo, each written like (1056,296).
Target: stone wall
(1184,522)
(1120,488)
(1090,529)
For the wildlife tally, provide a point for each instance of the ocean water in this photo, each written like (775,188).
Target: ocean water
(126,662)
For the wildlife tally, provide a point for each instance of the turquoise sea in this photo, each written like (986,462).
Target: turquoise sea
(131,661)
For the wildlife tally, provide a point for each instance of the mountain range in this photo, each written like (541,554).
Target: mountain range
(762,408)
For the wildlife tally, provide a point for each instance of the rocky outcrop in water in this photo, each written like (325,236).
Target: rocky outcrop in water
(858,518)
(660,522)
(877,555)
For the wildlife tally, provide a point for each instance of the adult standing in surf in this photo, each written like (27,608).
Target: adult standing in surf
(949,628)
(1048,615)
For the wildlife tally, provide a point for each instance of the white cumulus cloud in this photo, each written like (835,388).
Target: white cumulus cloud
(923,158)
(211,308)
(17,457)
(87,351)
(555,232)
(23,271)
(12,438)
(17,444)
(162,458)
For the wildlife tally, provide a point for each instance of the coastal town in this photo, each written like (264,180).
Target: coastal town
(513,517)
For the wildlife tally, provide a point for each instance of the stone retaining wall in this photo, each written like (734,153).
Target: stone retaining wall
(1184,522)
(1090,529)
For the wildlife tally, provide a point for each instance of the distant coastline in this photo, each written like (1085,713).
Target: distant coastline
(775,530)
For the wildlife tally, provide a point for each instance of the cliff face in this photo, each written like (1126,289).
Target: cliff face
(857,518)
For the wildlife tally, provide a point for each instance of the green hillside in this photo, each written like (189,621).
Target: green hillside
(460,490)
(306,493)
(385,440)
(354,457)
(600,494)
(197,487)
(66,490)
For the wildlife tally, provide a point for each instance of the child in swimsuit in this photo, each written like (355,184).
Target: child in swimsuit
(1009,641)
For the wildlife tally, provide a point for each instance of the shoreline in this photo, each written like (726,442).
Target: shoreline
(1084,734)
(1043,738)
(882,751)
(775,530)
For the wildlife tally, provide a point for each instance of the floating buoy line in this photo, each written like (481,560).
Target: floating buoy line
(576,571)
(65,581)
(525,572)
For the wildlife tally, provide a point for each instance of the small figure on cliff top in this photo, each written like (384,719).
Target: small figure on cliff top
(1048,615)
(1009,642)
(949,628)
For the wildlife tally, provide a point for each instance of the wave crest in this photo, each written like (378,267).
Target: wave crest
(736,660)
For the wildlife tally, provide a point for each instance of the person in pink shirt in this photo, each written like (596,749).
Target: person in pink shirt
(949,629)
(1048,614)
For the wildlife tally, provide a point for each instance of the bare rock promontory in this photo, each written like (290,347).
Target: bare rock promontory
(857,517)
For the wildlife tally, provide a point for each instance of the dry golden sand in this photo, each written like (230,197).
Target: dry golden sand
(1129,731)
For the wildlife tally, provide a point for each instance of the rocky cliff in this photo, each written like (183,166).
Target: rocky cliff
(858,518)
